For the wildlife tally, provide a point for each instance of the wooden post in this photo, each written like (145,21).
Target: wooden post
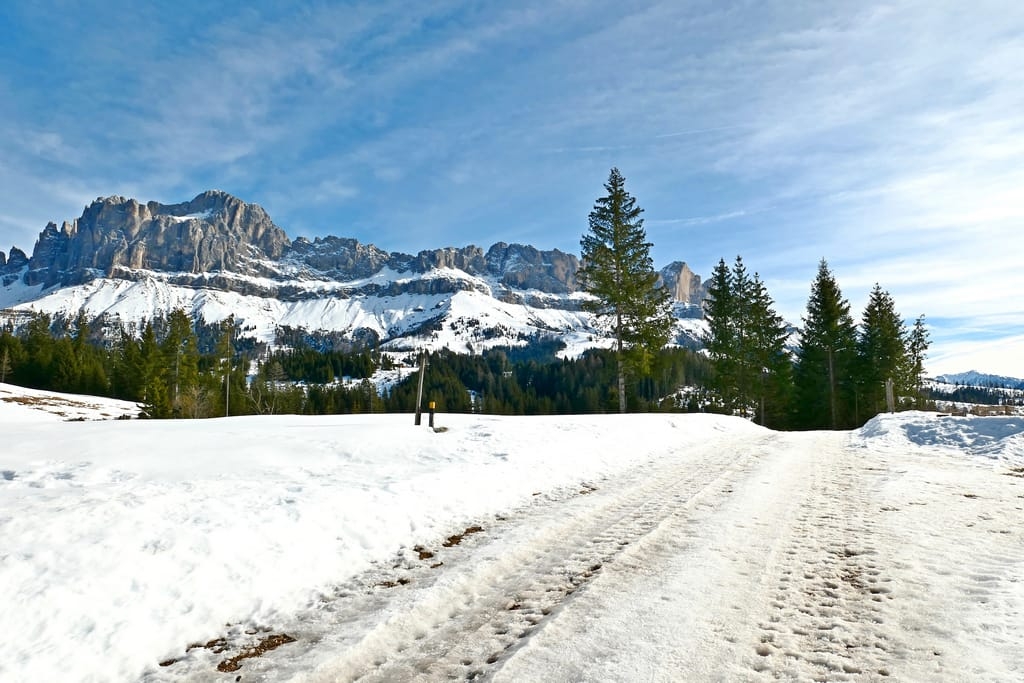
(227,388)
(890,400)
(419,390)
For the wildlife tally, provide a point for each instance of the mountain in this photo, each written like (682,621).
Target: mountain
(217,255)
(973,378)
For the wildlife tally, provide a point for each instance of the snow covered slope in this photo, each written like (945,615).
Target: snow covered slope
(973,378)
(31,405)
(467,314)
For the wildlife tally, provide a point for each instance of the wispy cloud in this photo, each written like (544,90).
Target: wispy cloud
(701,220)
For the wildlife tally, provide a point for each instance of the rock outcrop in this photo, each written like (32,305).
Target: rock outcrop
(524,267)
(338,257)
(682,283)
(214,231)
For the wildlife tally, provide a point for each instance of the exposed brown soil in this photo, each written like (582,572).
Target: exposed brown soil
(266,645)
(457,538)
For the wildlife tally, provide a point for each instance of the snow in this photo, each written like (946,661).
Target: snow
(390,317)
(31,405)
(980,379)
(200,216)
(640,547)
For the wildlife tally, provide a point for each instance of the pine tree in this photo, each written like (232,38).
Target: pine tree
(722,339)
(181,361)
(618,271)
(745,368)
(823,376)
(917,348)
(881,351)
(38,370)
(224,368)
(5,364)
(772,370)
(746,343)
(126,379)
(156,399)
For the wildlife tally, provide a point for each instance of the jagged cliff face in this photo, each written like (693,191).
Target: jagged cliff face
(683,284)
(523,267)
(214,231)
(516,266)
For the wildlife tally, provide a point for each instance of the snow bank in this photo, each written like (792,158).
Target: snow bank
(996,438)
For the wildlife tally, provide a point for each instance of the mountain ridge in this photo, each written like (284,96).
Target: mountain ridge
(981,379)
(216,255)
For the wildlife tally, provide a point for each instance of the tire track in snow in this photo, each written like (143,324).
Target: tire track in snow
(690,596)
(498,589)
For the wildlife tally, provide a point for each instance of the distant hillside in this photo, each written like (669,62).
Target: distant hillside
(974,378)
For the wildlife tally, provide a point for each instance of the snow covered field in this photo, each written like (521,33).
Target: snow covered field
(605,548)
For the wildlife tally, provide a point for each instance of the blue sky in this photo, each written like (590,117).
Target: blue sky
(885,137)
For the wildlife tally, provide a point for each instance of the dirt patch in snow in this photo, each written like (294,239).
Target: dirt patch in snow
(266,645)
(457,538)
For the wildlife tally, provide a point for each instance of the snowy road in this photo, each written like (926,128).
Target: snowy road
(570,548)
(751,557)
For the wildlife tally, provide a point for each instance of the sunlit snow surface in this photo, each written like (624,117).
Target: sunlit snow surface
(646,547)
(471,320)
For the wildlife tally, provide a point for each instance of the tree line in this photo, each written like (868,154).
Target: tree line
(167,368)
(837,376)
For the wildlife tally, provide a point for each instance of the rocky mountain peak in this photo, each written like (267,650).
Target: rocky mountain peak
(683,284)
(215,231)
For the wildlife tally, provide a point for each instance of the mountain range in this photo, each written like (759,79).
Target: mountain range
(216,255)
(973,378)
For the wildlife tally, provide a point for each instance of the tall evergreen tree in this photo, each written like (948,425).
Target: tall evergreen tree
(823,376)
(771,369)
(156,399)
(227,381)
(618,270)
(721,340)
(126,374)
(38,370)
(881,351)
(746,343)
(745,369)
(917,348)
(181,361)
